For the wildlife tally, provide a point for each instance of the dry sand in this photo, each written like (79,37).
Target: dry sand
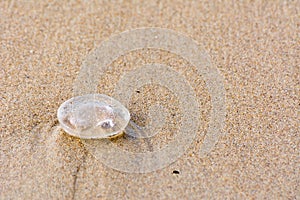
(254,44)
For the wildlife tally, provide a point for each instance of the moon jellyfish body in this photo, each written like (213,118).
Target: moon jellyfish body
(93,116)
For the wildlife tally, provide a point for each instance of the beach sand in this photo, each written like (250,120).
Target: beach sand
(255,46)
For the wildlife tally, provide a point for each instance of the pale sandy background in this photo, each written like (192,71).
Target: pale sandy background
(254,44)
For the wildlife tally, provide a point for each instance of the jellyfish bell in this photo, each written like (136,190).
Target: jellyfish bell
(93,116)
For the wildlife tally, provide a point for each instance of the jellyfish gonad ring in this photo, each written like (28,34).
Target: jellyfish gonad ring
(93,116)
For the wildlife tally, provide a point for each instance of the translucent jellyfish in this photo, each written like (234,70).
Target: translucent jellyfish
(93,116)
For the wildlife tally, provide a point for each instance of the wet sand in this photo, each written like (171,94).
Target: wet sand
(255,46)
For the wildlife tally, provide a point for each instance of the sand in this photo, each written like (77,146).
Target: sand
(255,46)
